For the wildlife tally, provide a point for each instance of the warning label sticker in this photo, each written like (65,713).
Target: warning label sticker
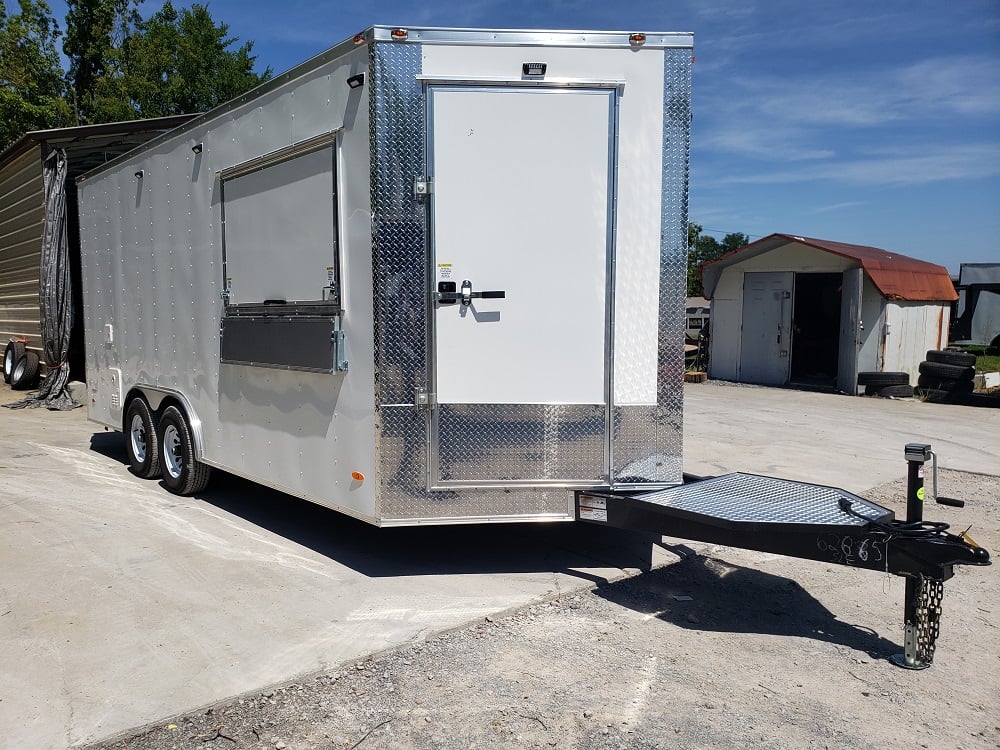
(593,508)
(444,271)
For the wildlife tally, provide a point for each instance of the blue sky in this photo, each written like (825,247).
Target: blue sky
(875,123)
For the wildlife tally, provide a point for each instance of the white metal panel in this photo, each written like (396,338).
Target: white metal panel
(543,242)
(280,230)
(909,330)
(766,333)
(727,309)
(152,261)
(850,330)
(639,188)
(870,327)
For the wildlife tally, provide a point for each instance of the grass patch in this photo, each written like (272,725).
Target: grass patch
(987,358)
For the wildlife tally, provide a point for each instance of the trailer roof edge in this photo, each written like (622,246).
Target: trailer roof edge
(422,35)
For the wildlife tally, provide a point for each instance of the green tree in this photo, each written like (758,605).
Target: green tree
(94,30)
(704,248)
(31,84)
(174,62)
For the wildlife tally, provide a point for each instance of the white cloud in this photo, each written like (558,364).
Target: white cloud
(914,167)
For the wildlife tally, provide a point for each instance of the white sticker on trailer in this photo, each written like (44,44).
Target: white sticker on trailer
(596,509)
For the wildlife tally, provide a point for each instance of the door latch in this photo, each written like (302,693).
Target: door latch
(447,295)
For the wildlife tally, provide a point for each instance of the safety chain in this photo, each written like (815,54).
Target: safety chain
(929,599)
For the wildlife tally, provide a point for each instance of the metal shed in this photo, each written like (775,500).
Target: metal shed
(796,310)
(23,224)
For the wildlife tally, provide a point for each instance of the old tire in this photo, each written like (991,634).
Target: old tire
(882,379)
(142,443)
(961,359)
(935,395)
(183,474)
(24,376)
(947,372)
(13,352)
(945,384)
(896,391)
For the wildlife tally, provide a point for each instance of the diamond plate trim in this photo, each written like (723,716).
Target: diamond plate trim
(399,232)
(648,442)
(756,499)
(403,496)
(522,442)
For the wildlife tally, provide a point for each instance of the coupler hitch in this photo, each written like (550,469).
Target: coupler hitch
(813,522)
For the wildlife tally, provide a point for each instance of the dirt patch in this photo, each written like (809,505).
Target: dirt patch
(725,648)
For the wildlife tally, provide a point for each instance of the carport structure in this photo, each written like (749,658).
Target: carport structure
(790,310)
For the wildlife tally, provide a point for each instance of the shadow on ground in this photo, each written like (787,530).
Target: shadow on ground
(726,598)
(732,599)
(425,550)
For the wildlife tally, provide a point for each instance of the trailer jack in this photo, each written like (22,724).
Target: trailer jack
(812,522)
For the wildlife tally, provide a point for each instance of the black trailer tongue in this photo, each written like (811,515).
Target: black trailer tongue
(813,522)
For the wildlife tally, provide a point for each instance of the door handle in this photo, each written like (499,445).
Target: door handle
(447,296)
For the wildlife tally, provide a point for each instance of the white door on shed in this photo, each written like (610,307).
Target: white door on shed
(850,330)
(765,342)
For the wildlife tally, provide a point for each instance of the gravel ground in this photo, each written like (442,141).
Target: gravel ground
(725,648)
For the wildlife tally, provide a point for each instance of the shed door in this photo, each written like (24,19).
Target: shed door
(520,215)
(767,320)
(850,330)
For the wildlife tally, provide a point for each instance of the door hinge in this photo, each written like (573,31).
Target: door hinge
(422,187)
(423,400)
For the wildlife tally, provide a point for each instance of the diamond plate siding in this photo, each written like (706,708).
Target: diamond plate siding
(403,463)
(399,241)
(648,441)
(750,498)
(399,223)
(522,442)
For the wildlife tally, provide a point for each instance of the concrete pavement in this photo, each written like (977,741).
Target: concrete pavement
(121,603)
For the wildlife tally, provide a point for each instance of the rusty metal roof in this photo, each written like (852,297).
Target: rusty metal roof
(897,277)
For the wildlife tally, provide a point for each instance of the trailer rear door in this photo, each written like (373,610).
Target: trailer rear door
(521,213)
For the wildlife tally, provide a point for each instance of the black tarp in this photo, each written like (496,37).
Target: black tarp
(55,293)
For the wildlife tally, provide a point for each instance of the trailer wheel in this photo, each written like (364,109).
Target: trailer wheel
(141,440)
(13,352)
(25,373)
(182,472)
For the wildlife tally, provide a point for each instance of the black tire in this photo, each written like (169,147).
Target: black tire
(183,474)
(24,376)
(960,359)
(896,391)
(142,442)
(13,352)
(945,384)
(883,378)
(947,372)
(934,395)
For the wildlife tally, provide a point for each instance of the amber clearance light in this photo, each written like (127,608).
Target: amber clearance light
(398,35)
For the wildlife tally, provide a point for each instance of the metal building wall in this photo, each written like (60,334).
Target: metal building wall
(22,215)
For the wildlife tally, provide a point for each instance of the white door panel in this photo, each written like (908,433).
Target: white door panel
(521,204)
(765,342)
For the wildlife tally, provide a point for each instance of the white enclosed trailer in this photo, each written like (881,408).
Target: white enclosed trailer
(429,276)
(438,276)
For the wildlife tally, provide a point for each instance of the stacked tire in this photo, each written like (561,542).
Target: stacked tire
(21,367)
(886,384)
(947,376)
